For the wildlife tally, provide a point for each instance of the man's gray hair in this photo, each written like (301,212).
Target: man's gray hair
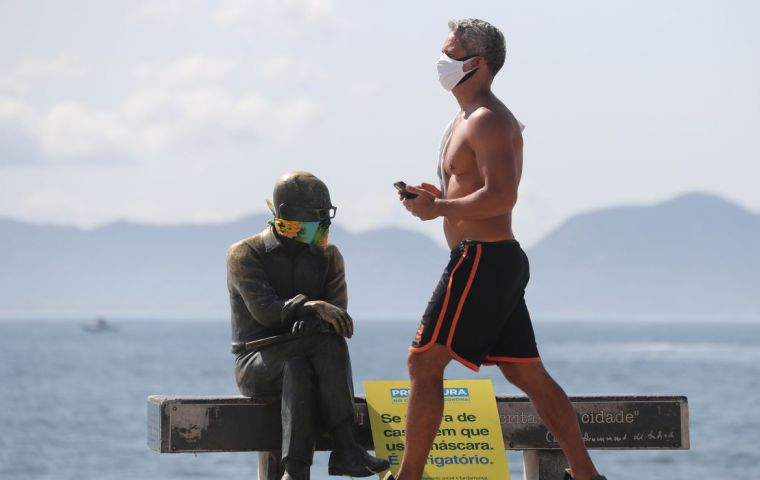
(481,38)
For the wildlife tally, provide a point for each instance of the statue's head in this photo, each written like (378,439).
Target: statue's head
(302,208)
(302,196)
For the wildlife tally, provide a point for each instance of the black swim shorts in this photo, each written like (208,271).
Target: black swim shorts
(478,309)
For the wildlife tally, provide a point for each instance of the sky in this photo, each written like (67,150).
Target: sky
(187,111)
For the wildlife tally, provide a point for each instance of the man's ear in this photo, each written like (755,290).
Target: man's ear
(472,63)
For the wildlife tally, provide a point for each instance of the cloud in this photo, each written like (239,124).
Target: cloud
(190,70)
(291,16)
(279,67)
(52,203)
(166,11)
(16,147)
(182,103)
(69,129)
(278,17)
(151,122)
(15,110)
(62,66)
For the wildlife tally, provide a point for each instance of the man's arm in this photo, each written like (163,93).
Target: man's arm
(493,141)
(246,276)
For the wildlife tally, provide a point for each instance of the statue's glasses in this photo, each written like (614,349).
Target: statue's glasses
(303,212)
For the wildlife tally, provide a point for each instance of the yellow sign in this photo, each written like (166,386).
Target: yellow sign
(469,444)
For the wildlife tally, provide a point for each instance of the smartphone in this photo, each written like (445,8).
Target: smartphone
(401,187)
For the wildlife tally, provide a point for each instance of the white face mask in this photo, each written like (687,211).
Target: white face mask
(451,71)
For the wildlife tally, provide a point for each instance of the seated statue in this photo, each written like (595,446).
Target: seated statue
(289,328)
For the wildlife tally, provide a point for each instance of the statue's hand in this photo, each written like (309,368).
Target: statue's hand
(311,323)
(338,318)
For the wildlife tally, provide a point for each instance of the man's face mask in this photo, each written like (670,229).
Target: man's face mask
(314,233)
(451,71)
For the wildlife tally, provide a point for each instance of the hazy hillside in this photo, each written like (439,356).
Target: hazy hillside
(694,255)
(126,269)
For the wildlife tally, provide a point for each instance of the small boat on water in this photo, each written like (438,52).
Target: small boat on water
(98,325)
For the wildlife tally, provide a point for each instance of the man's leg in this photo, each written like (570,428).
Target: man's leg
(423,417)
(556,411)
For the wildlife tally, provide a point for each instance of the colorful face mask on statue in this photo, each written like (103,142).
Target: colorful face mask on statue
(451,71)
(314,233)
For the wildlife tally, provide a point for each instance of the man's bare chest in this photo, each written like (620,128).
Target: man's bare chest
(459,157)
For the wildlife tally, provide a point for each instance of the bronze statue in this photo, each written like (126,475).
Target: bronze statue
(289,328)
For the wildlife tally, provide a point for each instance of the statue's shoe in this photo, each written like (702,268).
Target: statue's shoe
(355,462)
(297,474)
(569,475)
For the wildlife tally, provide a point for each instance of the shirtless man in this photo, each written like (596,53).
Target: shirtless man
(477,314)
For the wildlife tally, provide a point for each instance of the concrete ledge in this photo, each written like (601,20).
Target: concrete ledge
(240,424)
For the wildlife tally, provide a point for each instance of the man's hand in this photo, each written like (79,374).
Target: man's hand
(424,206)
(430,188)
(338,318)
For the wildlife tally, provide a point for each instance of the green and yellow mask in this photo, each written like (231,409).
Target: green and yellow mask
(314,233)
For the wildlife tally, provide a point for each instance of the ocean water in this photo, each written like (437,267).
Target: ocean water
(72,403)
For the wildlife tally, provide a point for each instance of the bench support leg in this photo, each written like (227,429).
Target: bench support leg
(270,467)
(543,464)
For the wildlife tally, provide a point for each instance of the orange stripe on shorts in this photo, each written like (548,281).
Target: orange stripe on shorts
(478,250)
(445,305)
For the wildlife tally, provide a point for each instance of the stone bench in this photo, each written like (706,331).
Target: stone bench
(241,424)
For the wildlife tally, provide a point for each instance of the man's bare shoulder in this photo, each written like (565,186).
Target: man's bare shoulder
(491,127)
(493,119)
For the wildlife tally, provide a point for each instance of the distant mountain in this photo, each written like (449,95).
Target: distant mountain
(694,255)
(125,269)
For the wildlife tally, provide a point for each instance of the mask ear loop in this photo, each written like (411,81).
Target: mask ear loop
(279,225)
(469,73)
(467,57)
(466,76)
(271,207)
